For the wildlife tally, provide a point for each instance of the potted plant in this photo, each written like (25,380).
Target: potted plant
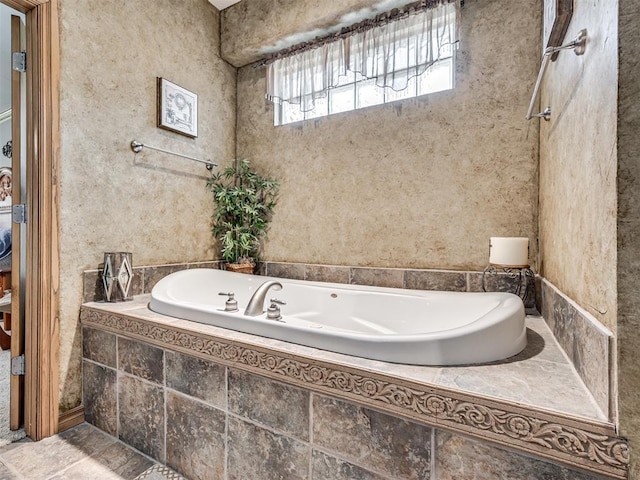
(244,203)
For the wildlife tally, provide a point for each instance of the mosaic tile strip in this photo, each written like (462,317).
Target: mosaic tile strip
(159,472)
(588,445)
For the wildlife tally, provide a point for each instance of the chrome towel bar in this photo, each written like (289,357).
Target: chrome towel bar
(578,45)
(138,146)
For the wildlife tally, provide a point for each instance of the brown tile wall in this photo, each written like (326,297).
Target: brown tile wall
(586,342)
(206,420)
(144,278)
(416,279)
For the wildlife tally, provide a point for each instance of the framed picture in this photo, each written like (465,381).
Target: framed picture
(177,108)
(557,16)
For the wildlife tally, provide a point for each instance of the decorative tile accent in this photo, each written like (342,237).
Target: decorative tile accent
(99,397)
(141,416)
(197,378)
(195,438)
(253,397)
(99,346)
(459,458)
(141,360)
(379,442)
(581,443)
(378,277)
(256,453)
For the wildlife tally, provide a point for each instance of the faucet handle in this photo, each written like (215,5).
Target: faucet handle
(273,312)
(231,305)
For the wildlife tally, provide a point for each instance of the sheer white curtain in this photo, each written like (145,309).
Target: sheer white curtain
(390,53)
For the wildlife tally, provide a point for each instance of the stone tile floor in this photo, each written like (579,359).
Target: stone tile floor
(81,453)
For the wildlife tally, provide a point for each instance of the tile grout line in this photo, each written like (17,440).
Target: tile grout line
(226,422)
(118,386)
(9,466)
(164,401)
(196,400)
(311,439)
(86,457)
(433,475)
(354,462)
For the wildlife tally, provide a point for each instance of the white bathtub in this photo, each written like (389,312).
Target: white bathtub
(394,325)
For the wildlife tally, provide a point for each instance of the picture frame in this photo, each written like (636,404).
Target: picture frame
(177,108)
(558,15)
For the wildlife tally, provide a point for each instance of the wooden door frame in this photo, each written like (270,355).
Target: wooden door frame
(17,332)
(42,243)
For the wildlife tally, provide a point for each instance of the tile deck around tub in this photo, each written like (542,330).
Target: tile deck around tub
(540,376)
(534,403)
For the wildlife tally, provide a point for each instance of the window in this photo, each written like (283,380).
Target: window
(355,92)
(405,58)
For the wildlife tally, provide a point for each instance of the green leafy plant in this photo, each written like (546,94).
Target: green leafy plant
(244,203)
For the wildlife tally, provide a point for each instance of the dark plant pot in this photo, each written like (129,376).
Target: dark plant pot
(240,267)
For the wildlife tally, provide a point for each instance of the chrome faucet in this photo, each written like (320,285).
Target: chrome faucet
(255,306)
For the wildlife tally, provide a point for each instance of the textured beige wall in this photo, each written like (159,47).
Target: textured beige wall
(629,229)
(423,183)
(252,28)
(152,205)
(578,165)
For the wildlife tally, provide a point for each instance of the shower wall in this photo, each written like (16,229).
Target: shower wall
(423,183)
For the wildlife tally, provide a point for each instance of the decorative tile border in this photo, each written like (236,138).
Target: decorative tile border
(581,443)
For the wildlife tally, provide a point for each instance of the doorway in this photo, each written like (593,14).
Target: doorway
(12,273)
(38,291)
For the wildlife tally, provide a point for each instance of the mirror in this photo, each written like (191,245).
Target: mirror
(5,136)
(6,181)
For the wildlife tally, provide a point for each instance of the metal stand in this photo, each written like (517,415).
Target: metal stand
(525,286)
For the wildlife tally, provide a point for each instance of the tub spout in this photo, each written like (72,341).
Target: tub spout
(255,306)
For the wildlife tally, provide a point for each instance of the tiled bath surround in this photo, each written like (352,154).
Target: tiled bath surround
(210,421)
(587,344)
(144,278)
(534,402)
(442,280)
